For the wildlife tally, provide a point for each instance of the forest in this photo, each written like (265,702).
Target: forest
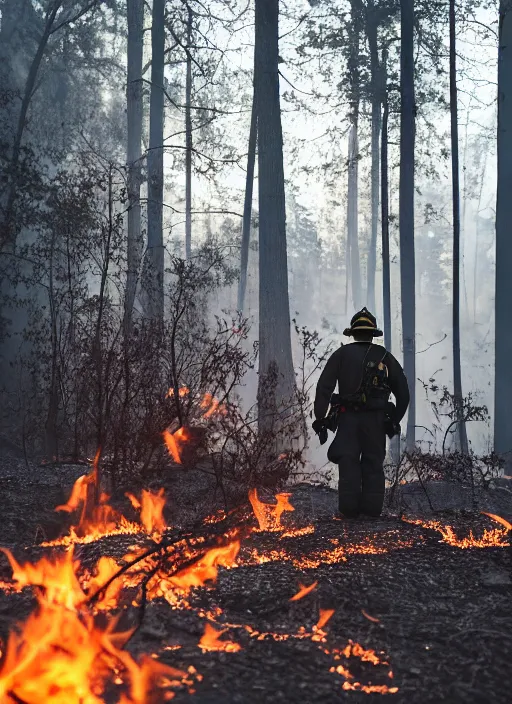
(196,197)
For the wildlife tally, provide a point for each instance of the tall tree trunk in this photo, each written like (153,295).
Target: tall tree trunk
(353,159)
(376,89)
(394,445)
(246,221)
(477,236)
(188,140)
(457,380)
(154,269)
(134,111)
(503,338)
(406,209)
(275,349)
(352,215)
(386,274)
(8,229)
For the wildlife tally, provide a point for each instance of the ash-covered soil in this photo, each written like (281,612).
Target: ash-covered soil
(437,617)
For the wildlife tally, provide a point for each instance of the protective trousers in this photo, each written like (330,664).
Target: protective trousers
(359,449)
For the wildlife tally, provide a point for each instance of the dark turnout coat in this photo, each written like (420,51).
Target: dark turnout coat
(345,368)
(359,447)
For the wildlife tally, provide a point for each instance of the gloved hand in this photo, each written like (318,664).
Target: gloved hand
(320,430)
(391,427)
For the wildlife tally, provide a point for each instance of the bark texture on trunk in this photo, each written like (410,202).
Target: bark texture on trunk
(406,209)
(154,265)
(503,339)
(134,112)
(246,221)
(188,139)
(376,89)
(457,376)
(275,350)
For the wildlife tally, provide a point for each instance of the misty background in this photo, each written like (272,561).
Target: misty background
(76,125)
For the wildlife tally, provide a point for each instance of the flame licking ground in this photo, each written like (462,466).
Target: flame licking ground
(60,655)
(55,579)
(269,515)
(210,640)
(80,492)
(494,537)
(204,569)
(151,507)
(97,519)
(325,615)
(303,591)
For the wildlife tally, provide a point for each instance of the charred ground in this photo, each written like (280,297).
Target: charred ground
(437,616)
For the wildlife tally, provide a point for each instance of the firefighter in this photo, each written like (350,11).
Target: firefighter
(361,414)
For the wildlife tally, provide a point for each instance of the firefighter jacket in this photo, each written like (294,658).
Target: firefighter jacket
(346,367)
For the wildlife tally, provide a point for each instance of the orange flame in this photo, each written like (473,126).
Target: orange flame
(56,580)
(325,615)
(210,640)
(204,569)
(491,538)
(357,650)
(174,442)
(106,567)
(151,508)
(269,515)
(61,655)
(81,487)
(370,618)
(182,391)
(96,519)
(499,519)
(211,405)
(303,591)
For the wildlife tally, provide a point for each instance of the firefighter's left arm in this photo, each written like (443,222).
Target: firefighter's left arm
(326,384)
(399,387)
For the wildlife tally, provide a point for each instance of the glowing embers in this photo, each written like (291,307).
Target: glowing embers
(356,651)
(491,538)
(269,515)
(297,532)
(210,640)
(333,555)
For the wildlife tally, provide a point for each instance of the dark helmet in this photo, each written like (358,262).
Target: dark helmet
(363,321)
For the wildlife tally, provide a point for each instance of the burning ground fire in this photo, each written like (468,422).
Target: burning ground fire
(72,650)
(491,538)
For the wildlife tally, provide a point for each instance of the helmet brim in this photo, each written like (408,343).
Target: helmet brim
(349,332)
